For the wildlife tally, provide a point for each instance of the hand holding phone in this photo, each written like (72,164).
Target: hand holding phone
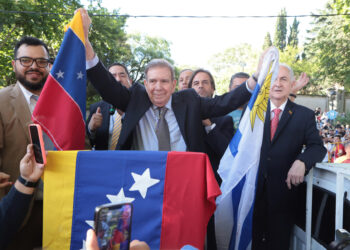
(113,226)
(36,136)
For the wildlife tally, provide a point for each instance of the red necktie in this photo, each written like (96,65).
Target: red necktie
(274,121)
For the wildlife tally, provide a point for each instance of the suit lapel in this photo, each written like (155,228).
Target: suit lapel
(267,125)
(180,110)
(133,115)
(21,107)
(286,115)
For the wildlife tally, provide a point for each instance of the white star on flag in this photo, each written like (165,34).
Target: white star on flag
(80,75)
(143,182)
(59,74)
(84,245)
(119,198)
(91,223)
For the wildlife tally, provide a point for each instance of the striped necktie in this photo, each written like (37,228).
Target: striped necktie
(117,127)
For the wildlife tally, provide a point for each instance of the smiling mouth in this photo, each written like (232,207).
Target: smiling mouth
(33,73)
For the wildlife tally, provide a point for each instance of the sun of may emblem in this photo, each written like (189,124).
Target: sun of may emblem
(260,105)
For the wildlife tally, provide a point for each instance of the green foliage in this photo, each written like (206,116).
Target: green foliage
(293,57)
(329,49)
(343,7)
(144,49)
(109,41)
(267,41)
(293,33)
(281,30)
(230,61)
(344,120)
(15,25)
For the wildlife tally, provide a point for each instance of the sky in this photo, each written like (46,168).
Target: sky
(195,41)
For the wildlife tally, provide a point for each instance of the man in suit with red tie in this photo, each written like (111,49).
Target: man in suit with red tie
(291,146)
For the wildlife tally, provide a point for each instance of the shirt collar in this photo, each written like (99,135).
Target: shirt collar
(27,94)
(167,105)
(282,107)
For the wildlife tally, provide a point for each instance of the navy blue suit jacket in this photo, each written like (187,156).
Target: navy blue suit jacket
(296,137)
(189,108)
(217,140)
(100,141)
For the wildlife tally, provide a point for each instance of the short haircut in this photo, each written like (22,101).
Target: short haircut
(238,75)
(212,82)
(160,63)
(291,72)
(185,70)
(121,65)
(31,41)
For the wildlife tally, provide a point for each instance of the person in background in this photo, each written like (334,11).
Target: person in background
(184,78)
(236,80)
(104,123)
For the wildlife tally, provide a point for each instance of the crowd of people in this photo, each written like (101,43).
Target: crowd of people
(153,116)
(335,136)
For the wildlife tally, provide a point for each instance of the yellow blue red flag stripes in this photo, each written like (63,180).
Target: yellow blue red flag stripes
(239,166)
(61,106)
(173,195)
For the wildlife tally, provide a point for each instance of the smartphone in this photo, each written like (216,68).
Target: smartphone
(36,136)
(113,226)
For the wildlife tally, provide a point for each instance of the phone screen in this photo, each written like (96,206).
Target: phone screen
(113,226)
(36,144)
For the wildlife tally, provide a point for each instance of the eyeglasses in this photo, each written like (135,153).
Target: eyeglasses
(28,61)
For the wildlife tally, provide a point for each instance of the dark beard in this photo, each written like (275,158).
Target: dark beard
(31,86)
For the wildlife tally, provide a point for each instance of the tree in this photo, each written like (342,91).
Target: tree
(281,30)
(144,49)
(230,61)
(329,49)
(267,41)
(30,22)
(292,56)
(107,35)
(293,33)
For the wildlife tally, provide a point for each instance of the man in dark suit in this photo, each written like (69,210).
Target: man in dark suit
(218,130)
(291,146)
(145,106)
(99,125)
(218,134)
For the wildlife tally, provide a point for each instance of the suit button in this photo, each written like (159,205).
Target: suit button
(268,158)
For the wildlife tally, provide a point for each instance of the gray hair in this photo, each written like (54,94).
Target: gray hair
(291,72)
(160,63)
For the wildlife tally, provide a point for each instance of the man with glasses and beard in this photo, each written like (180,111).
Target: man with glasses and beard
(31,65)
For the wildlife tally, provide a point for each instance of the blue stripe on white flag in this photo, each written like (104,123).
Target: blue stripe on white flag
(239,166)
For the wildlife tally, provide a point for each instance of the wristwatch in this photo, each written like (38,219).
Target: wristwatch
(28,183)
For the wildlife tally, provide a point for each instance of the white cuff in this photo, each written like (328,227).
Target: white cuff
(209,128)
(92,63)
(246,85)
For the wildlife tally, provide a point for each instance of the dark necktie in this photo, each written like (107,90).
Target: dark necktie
(162,131)
(274,121)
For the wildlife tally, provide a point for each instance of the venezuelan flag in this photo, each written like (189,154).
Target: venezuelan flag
(61,107)
(173,195)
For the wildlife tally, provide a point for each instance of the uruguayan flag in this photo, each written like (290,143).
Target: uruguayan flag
(239,165)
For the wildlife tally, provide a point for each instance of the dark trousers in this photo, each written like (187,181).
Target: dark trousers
(271,231)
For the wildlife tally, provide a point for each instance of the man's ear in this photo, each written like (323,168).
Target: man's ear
(13,65)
